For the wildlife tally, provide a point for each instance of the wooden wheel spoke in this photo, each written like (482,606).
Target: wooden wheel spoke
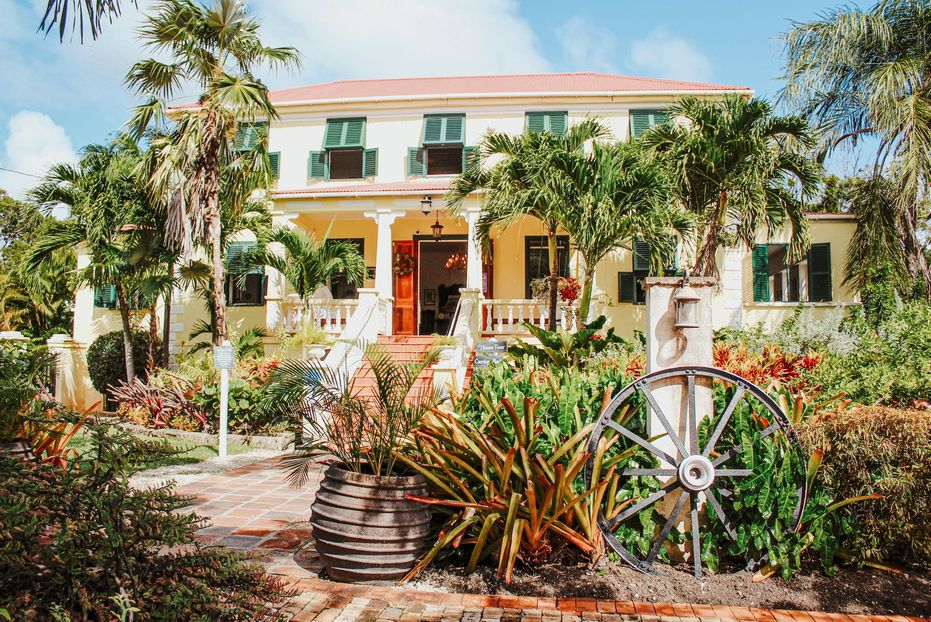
(656,496)
(719,512)
(696,535)
(653,472)
(650,447)
(693,416)
(667,527)
(662,418)
(733,472)
(719,429)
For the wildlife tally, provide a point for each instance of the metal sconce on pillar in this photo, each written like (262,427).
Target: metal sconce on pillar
(686,300)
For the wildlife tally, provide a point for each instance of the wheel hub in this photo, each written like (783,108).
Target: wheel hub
(696,473)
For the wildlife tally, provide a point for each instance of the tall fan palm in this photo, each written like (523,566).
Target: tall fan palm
(615,194)
(525,182)
(309,263)
(736,167)
(217,49)
(867,73)
(108,202)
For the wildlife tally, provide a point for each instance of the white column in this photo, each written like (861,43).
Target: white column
(384,275)
(474,254)
(276,285)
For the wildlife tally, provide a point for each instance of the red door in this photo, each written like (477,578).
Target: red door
(405,290)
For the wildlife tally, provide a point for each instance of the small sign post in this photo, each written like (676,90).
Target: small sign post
(223,359)
(489,352)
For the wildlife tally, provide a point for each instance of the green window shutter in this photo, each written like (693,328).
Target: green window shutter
(626,287)
(416,162)
(558,122)
(274,159)
(443,129)
(642,120)
(555,122)
(819,273)
(317,166)
(237,256)
(370,163)
(641,256)
(469,158)
(105,296)
(342,133)
(761,273)
(248,135)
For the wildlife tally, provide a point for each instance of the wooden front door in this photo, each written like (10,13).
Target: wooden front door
(405,289)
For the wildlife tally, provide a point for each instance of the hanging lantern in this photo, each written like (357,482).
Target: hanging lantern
(686,300)
(437,229)
(426,204)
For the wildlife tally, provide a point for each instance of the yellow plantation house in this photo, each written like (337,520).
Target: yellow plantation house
(371,160)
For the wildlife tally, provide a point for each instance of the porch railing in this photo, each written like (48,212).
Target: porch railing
(507,316)
(330,316)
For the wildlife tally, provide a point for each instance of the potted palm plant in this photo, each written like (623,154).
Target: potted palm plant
(364,527)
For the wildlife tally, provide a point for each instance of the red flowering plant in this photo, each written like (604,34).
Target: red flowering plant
(766,367)
(569,289)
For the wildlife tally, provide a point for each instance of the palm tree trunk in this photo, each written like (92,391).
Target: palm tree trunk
(705,264)
(915,261)
(153,331)
(211,199)
(585,301)
(554,275)
(166,321)
(127,332)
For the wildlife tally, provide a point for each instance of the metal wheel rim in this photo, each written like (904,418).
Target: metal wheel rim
(780,423)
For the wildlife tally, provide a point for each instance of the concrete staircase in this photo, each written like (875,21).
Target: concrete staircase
(403,349)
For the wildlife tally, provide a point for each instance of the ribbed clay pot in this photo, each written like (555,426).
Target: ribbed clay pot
(364,528)
(19,449)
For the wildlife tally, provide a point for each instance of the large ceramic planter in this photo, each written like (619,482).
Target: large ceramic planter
(19,449)
(365,529)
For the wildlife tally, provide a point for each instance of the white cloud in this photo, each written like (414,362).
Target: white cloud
(395,38)
(662,54)
(35,142)
(587,46)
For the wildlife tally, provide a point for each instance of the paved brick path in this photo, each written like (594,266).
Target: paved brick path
(252,509)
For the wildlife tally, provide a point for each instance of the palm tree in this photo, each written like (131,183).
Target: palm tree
(616,195)
(217,49)
(736,167)
(108,201)
(525,182)
(309,263)
(89,12)
(867,73)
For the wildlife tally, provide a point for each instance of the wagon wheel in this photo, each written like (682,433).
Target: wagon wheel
(703,473)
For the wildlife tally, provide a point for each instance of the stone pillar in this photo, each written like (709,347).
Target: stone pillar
(668,347)
(732,286)
(474,253)
(276,286)
(384,274)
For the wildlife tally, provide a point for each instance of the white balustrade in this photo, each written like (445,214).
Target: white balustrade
(507,316)
(330,316)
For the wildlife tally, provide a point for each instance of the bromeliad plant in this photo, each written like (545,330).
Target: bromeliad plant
(503,497)
(561,349)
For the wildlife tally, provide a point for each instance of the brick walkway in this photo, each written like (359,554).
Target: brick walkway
(253,510)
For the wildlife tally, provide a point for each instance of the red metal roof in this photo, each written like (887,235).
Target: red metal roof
(388,188)
(554,83)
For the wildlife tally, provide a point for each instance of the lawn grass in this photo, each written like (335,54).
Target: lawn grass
(188,452)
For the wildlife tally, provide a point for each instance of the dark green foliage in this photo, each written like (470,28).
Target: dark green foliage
(245,416)
(106,363)
(74,543)
(891,364)
(561,349)
(885,451)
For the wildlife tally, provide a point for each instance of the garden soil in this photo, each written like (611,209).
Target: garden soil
(861,591)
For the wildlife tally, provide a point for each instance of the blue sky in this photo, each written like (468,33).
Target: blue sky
(58,97)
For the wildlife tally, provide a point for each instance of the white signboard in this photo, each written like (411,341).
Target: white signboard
(223,357)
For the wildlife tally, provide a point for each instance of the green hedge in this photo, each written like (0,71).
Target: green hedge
(106,361)
(885,451)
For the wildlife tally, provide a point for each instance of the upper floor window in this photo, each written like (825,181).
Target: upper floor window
(442,150)
(249,135)
(642,120)
(245,284)
(554,122)
(775,279)
(344,155)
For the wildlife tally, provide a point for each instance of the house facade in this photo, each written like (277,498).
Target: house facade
(370,161)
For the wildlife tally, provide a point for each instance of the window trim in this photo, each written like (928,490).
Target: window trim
(803,270)
(542,239)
